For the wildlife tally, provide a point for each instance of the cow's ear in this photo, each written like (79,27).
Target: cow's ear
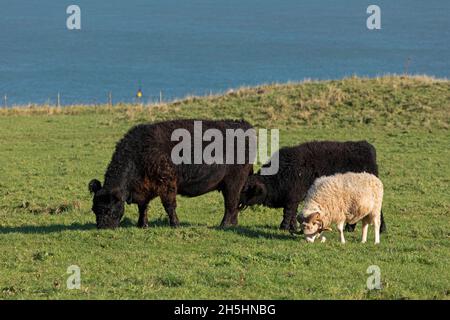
(117,195)
(94,186)
(258,189)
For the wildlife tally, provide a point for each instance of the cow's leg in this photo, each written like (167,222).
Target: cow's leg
(290,217)
(233,185)
(169,201)
(231,200)
(350,227)
(143,220)
(383,227)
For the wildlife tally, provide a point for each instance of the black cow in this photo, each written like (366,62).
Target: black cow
(299,166)
(142,168)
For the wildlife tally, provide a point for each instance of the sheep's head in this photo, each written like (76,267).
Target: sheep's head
(108,206)
(312,226)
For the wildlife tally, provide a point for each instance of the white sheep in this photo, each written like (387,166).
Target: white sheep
(341,198)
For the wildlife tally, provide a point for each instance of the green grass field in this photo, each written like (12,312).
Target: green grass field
(48,155)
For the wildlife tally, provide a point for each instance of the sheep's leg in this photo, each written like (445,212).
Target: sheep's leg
(365,228)
(143,220)
(340,227)
(376,225)
(169,202)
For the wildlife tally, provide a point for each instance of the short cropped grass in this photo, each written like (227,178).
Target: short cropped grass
(48,155)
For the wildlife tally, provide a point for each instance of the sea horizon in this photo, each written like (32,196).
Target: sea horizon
(178,49)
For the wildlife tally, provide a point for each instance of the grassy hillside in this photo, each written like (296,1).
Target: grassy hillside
(48,155)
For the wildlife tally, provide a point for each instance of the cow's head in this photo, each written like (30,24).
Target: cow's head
(312,226)
(253,192)
(107,205)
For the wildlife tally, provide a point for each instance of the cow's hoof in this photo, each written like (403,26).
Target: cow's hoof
(142,225)
(288,226)
(225,225)
(296,232)
(229,223)
(285,226)
(383,228)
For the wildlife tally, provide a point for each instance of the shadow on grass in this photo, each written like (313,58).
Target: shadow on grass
(165,223)
(126,223)
(47,229)
(252,232)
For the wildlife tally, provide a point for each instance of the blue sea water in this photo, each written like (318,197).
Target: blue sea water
(183,47)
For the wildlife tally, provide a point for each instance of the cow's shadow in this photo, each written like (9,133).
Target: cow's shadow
(165,223)
(250,232)
(265,232)
(55,228)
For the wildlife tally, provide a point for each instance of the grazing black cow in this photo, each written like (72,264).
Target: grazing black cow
(142,168)
(299,166)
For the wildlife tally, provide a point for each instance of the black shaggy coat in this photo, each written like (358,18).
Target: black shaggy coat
(142,169)
(299,166)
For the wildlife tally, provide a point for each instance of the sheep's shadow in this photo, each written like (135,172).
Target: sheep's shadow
(265,232)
